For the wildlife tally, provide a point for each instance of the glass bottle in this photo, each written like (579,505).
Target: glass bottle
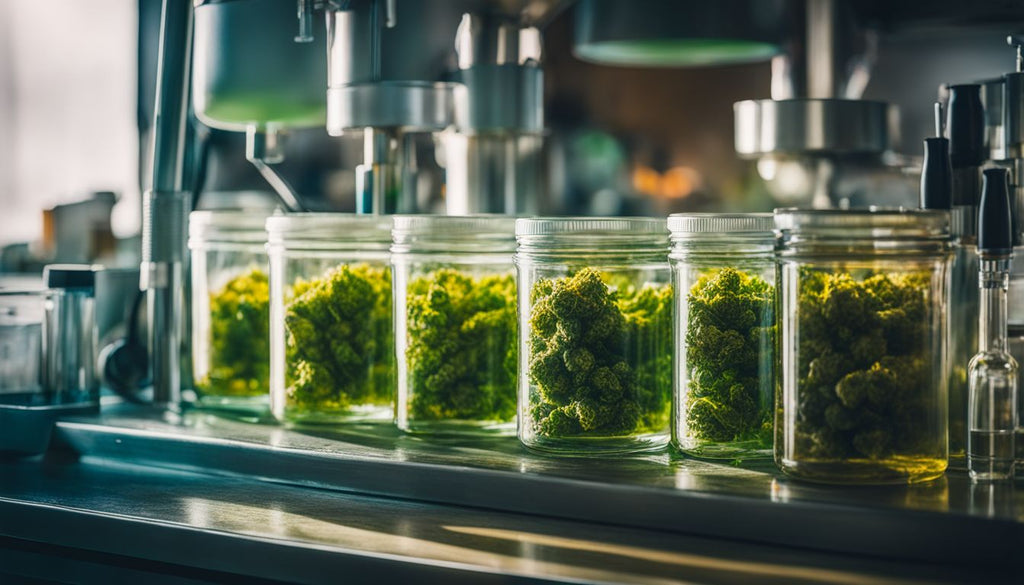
(993,381)
(230,311)
(862,344)
(992,412)
(331,328)
(723,268)
(455,324)
(595,331)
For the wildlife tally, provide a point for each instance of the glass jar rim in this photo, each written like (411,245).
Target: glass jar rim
(590,226)
(444,227)
(233,225)
(684,224)
(878,222)
(329,227)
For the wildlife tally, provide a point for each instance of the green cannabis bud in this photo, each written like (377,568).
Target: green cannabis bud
(340,343)
(864,370)
(239,340)
(462,346)
(729,357)
(600,359)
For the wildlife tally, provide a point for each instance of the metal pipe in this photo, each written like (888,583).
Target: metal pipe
(166,206)
(265,147)
(820,49)
(375,178)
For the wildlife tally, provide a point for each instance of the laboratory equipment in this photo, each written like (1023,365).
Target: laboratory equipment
(993,372)
(817,116)
(69,335)
(21,343)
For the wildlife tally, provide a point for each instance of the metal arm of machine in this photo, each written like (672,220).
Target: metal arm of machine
(264,148)
(166,206)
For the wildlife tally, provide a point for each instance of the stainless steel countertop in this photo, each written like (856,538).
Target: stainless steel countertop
(262,501)
(251,528)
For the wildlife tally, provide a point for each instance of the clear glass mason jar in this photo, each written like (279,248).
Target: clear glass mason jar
(862,345)
(455,324)
(331,341)
(595,322)
(230,311)
(723,267)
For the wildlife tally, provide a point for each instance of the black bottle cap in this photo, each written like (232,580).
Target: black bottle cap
(70,276)
(936,175)
(965,125)
(995,227)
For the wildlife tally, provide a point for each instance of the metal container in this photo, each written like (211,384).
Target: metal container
(595,373)
(250,70)
(862,345)
(69,335)
(455,324)
(331,344)
(21,345)
(723,268)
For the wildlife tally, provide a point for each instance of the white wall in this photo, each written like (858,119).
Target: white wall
(67,109)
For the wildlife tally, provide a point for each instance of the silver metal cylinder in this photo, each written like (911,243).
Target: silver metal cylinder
(165,208)
(411,106)
(1013,115)
(164,264)
(70,335)
(809,126)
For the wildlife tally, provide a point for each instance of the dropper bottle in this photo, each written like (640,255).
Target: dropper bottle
(963,124)
(992,373)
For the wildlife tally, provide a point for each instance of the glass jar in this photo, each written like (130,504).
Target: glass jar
(862,344)
(22,320)
(331,342)
(595,335)
(455,324)
(230,311)
(723,266)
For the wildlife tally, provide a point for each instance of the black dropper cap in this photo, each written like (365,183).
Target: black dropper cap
(70,276)
(965,125)
(995,228)
(937,175)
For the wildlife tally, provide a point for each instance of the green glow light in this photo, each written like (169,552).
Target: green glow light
(675,52)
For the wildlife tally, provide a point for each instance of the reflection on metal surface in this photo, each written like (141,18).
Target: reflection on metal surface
(277,523)
(794,574)
(932,495)
(992,500)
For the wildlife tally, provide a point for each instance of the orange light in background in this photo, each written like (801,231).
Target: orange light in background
(677,183)
(646,180)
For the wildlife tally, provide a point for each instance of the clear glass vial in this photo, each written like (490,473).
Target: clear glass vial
(862,345)
(455,324)
(595,331)
(331,342)
(723,268)
(230,311)
(993,378)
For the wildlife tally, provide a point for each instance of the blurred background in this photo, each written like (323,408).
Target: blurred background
(77,88)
